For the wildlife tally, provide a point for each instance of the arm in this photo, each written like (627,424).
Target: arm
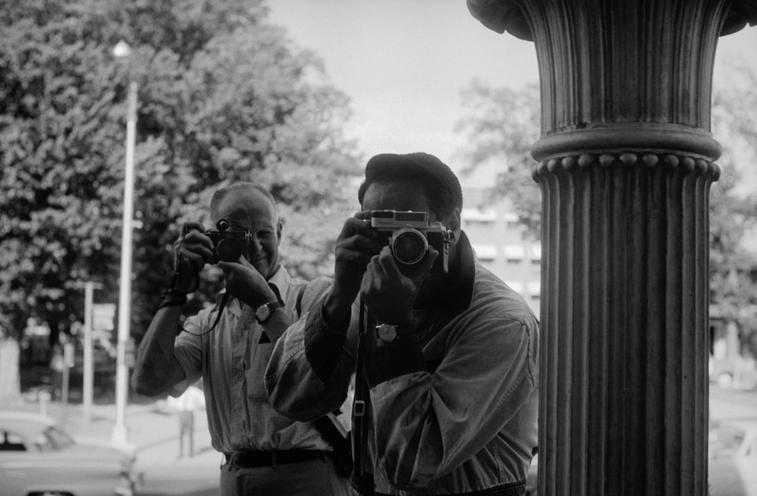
(309,371)
(311,366)
(156,370)
(428,424)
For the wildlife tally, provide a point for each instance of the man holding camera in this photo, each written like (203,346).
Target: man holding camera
(444,353)
(229,344)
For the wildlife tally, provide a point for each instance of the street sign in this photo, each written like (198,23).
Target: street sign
(103,316)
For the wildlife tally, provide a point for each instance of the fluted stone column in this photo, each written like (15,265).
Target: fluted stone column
(626,164)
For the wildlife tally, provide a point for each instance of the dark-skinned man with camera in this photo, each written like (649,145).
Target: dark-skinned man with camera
(444,353)
(229,344)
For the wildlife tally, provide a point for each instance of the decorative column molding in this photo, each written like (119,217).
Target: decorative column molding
(626,164)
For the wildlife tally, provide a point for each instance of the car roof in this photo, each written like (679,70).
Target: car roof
(747,424)
(25,423)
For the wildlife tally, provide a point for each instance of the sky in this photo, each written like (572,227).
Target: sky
(403,63)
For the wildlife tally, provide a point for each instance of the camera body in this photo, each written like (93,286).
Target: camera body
(228,244)
(409,235)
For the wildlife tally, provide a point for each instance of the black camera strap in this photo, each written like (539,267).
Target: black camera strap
(362,479)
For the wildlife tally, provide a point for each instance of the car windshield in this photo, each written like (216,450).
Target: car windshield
(725,440)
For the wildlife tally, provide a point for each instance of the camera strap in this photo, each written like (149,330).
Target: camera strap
(362,479)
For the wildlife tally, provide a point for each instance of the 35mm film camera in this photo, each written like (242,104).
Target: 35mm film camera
(409,235)
(228,244)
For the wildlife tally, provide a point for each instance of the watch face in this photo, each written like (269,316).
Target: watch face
(386,333)
(263,312)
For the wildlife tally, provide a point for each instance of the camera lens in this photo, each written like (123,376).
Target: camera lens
(409,246)
(229,249)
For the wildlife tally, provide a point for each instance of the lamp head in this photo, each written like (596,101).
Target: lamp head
(121,49)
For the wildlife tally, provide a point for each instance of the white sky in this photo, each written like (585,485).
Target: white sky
(403,63)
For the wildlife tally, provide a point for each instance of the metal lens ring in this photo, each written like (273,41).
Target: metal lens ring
(408,245)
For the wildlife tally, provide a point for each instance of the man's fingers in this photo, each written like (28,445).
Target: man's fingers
(354,225)
(386,261)
(197,260)
(197,238)
(359,243)
(429,259)
(352,256)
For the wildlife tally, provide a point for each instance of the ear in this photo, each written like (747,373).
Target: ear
(454,221)
(279,228)
(454,224)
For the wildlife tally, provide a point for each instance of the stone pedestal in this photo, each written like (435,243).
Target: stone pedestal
(626,163)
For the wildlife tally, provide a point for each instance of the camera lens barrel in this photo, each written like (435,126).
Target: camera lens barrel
(229,249)
(408,246)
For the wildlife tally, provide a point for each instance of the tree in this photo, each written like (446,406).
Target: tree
(503,123)
(223,95)
(500,127)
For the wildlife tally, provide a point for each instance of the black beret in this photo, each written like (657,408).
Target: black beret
(414,166)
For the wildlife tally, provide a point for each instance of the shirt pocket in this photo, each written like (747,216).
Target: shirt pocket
(261,353)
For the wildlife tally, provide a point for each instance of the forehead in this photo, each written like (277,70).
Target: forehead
(395,196)
(245,207)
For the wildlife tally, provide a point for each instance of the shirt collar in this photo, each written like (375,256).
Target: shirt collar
(457,287)
(458,291)
(280,281)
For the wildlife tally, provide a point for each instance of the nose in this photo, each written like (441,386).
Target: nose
(254,244)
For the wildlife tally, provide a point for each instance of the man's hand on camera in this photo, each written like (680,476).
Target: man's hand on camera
(355,246)
(191,251)
(390,294)
(244,282)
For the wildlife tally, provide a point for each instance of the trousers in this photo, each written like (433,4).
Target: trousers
(316,477)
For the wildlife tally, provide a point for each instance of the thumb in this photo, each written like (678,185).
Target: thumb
(428,261)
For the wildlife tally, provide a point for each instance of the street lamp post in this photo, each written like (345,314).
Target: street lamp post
(119,437)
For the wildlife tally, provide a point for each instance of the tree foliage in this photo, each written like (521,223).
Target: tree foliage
(503,123)
(500,126)
(223,96)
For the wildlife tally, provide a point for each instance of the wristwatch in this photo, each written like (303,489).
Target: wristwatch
(386,333)
(264,311)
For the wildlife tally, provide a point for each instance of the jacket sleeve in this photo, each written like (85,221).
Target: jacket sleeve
(310,369)
(429,423)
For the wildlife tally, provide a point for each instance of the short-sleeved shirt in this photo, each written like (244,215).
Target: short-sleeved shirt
(231,358)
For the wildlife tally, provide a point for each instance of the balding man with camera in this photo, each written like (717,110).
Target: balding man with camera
(229,344)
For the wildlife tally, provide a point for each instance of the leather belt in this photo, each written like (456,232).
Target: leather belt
(250,459)
(508,489)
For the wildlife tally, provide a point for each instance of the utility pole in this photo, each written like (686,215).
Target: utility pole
(88,372)
(124,301)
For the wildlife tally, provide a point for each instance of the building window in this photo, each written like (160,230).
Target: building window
(514,254)
(534,290)
(485,253)
(478,217)
(512,222)
(535,254)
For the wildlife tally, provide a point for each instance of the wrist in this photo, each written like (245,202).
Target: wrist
(173,298)
(336,312)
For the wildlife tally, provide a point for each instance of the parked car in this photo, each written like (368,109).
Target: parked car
(39,458)
(733,458)
(532,476)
